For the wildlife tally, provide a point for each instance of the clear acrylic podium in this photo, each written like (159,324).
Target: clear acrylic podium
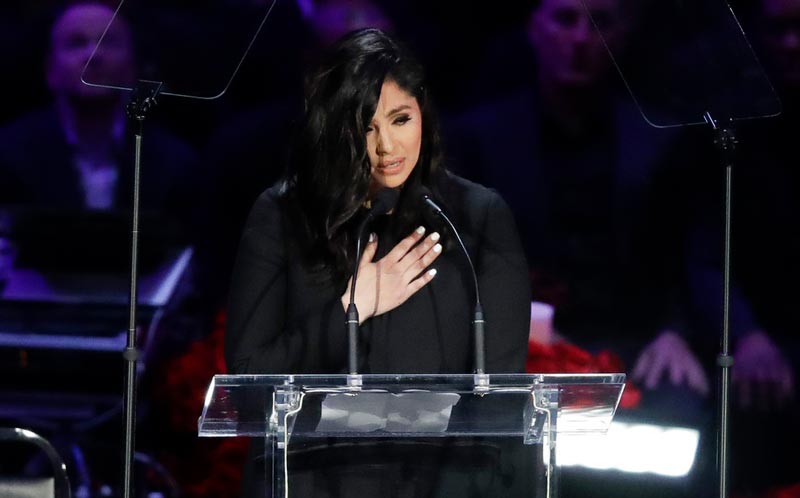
(295,412)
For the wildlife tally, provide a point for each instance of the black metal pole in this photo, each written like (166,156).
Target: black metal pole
(131,353)
(142,101)
(725,140)
(725,360)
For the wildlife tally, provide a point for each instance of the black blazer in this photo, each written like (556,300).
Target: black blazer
(285,318)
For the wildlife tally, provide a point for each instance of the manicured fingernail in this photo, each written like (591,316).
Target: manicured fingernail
(421,230)
(435,236)
(432,272)
(372,237)
(437,248)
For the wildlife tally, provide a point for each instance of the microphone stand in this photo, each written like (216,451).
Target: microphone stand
(478,320)
(352,319)
(383,202)
(143,99)
(725,140)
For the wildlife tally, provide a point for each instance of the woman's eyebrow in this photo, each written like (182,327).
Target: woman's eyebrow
(397,109)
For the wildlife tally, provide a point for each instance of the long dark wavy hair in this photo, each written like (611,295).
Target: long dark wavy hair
(329,170)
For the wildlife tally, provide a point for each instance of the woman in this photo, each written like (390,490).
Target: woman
(368,125)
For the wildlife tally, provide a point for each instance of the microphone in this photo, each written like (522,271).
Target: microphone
(478,320)
(383,202)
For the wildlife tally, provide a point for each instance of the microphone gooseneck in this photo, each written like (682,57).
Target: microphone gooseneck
(383,202)
(478,320)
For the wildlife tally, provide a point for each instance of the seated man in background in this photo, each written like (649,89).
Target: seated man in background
(77,153)
(606,241)
(574,158)
(71,165)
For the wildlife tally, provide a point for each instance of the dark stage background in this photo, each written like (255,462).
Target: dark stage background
(622,222)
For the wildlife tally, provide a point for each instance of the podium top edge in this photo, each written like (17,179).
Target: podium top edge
(489,380)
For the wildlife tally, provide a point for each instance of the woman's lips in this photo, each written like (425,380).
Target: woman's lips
(391,167)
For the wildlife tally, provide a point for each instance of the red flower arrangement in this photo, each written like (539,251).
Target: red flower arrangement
(562,357)
(202,467)
(791,491)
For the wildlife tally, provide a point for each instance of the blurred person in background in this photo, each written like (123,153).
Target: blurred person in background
(612,242)
(73,160)
(575,158)
(330,19)
(765,244)
(76,153)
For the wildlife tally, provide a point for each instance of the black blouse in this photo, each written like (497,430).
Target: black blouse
(284,317)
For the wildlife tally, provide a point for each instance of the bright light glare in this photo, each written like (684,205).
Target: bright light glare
(637,448)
